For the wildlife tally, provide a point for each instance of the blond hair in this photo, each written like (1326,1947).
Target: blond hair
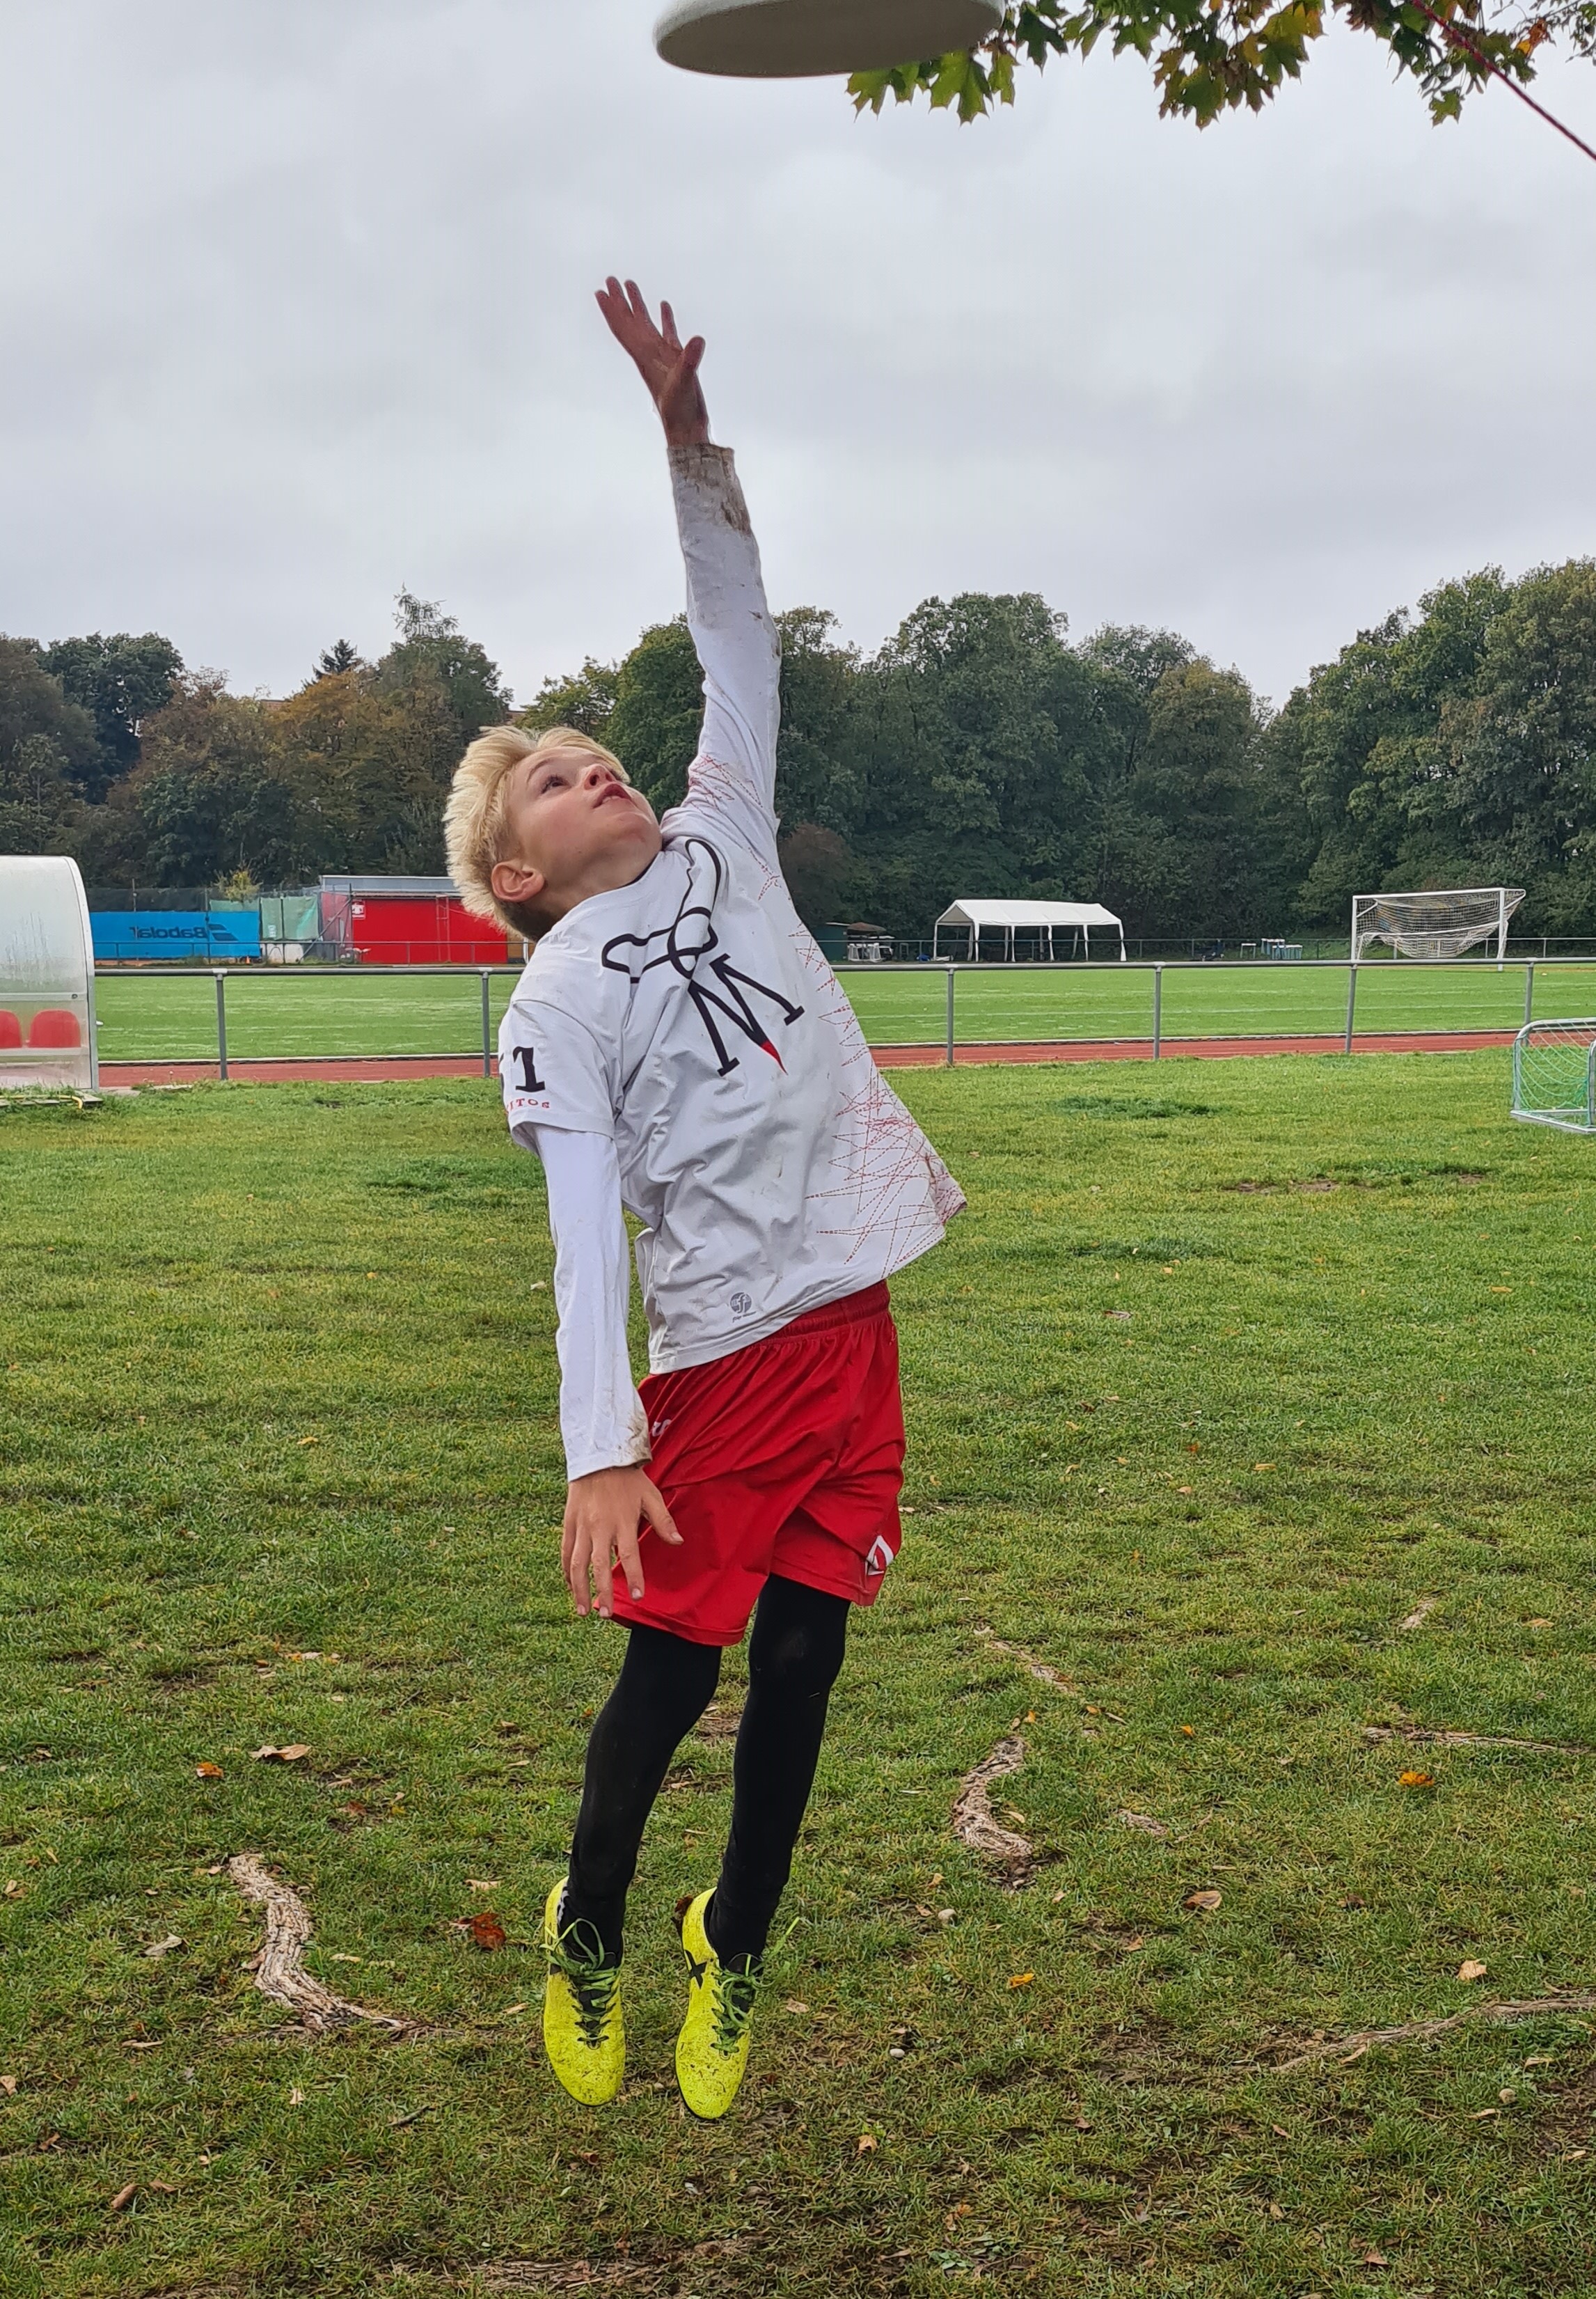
(474,819)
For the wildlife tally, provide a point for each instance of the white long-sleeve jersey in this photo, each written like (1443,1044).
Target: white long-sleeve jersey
(680,1046)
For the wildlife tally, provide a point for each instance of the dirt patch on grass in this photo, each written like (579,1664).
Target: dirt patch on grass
(1348,2048)
(279,1970)
(974,1822)
(729,2268)
(1418,1736)
(1569,2118)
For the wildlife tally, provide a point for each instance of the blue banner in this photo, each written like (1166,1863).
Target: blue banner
(218,937)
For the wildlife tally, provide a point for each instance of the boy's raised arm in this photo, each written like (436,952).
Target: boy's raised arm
(736,639)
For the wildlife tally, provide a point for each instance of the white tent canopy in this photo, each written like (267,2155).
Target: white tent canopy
(1043,919)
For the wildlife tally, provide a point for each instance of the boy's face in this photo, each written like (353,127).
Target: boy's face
(572,828)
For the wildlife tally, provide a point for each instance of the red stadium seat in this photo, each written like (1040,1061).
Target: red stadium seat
(55,1027)
(11,1029)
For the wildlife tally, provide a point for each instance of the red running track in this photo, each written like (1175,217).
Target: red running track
(380,1069)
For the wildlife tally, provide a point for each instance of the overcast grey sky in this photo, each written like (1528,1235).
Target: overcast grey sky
(297,311)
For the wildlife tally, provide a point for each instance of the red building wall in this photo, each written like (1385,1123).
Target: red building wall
(423,930)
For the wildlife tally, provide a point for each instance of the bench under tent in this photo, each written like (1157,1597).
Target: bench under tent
(1056,930)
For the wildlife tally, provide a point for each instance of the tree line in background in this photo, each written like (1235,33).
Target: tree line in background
(978,752)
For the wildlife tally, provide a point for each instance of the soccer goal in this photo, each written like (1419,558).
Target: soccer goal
(1440,925)
(1554,1076)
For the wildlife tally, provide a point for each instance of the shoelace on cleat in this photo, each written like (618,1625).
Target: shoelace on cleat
(592,1981)
(736,1993)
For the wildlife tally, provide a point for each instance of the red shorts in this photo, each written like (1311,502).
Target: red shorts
(785,1458)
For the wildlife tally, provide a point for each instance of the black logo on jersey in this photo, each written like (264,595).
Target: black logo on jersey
(687,946)
(531,1083)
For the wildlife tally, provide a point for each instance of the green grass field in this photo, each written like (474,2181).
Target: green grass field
(1252,1399)
(150,1017)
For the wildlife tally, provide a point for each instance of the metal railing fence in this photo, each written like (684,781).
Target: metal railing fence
(1006,1004)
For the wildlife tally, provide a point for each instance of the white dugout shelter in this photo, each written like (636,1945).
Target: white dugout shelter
(1049,923)
(46,975)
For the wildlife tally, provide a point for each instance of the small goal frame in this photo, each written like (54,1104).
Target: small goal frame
(1554,1076)
(1505,899)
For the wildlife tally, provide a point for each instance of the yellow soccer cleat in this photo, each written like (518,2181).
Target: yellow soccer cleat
(711,2051)
(584,2033)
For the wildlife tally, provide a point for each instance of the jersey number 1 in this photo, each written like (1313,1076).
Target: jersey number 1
(531,1083)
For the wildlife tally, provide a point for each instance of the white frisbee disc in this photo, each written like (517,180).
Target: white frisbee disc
(802,39)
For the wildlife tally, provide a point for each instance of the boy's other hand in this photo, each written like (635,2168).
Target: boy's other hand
(603,1513)
(668,366)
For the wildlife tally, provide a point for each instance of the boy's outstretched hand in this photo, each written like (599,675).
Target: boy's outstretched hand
(668,366)
(603,1511)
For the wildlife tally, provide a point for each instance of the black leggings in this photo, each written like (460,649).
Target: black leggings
(665,1686)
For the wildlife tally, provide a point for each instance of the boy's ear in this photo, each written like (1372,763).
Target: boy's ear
(516,882)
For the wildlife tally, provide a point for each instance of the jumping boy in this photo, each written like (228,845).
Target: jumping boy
(678,1046)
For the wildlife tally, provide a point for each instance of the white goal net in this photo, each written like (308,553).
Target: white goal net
(1440,925)
(1554,1075)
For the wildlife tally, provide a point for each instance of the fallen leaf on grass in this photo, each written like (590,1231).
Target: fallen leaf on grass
(486,1931)
(1260,1467)
(1206,1902)
(291,1755)
(296,2097)
(1471,1969)
(209,1772)
(120,2202)
(793,2004)
(13,1891)
(1188,1731)
(866,2146)
(164,1946)
(8,2085)
(1022,1978)
(161,2188)
(1416,1779)
(1484,2115)
(483,1883)
(1129,1946)
(1373,2258)
(310,1440)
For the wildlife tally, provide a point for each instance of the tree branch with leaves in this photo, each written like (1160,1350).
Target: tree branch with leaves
(1209,56)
